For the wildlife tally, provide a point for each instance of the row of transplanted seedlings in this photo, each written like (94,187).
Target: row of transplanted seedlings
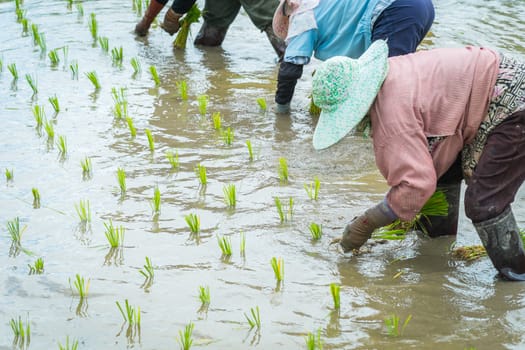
(114,234)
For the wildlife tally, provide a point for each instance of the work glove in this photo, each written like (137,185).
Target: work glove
(171,23)
(282,108)
(151,12)
(357,232)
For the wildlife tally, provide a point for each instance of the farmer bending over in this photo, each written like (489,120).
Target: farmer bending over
(330,28)
(431,112)
(218,15)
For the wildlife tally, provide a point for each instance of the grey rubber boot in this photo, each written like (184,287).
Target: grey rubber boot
(277,43)
(437,226)
(210,36)
(501,238)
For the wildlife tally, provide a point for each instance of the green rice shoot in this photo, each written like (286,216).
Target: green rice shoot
(81,286)
(73,67)
(117,54)
(13,70)
(312,189)
(83,210)
(278,268)
(80,9)
(250,150)
(151,140)
(9,173)
(202,101)
(155,201)
(131,315)
(230,195)
(25,25)
(32,83)
(120,110)
(39,115)
(194,222)
(314,109)
(394,327)
(54,57)
(216,118)
(243,244)
(227,136)
(313,341)
(93,26)
(37,268)
(67,345)
(54,103)
(335,291)
(316,231)
(135,64)
(254,320)
(21,332)
(121,178)
(61,144)
(204,295)
(114,235)
(36,197)
(86,166)
(185,337)
(148,272)
(131,127)
(154,75)
(225,245)
(93,78)
(50,129)
(182,86)
(201,174)
(262,103)
(104,44)
(283,170)
(192,16)
(173,159)
(285,214)
(20,13)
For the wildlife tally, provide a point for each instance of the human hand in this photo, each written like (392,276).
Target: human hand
(141,29)
(171,23)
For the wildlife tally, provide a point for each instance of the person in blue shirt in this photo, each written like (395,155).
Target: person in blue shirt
(328,28)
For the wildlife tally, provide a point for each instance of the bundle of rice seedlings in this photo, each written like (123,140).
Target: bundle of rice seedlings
(436,205)
(191,16)
(314,109)
(473,252)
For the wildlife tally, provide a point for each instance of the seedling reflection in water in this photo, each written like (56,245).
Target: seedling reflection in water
(216,118)
(114,235)
(313,189)
(194,222)
(32,83)
(151,140)
(278,268)
(316,230)
(81,286)
(283,170)
(21,332)
(67,346)
(225,245)
(83,211)
(334,290)
(54,102)
(37,268)
(173,159)
(393,326)
(121,177)
(36,197)
(203,103)
(255,319)
(185,338)
(313,341)
(230,196)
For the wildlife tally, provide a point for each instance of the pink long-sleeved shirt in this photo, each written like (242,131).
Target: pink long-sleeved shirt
(440,92)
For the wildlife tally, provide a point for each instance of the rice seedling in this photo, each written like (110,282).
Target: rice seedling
(36,197)
(204,295)
(280,209)
(283,170)
(25,25)
(121,177)
(39,114)
(262,103)
(278,268)
(117,54)
(119,95)
(13,227)
(93,26)
(243,244)
(227,136)
(1,65)
(83,210)
(50,129)
(155,201)
(37,268)
(148,272)
(335,291)
(255,319)
(173,159)
(131,127)
(65,52)
(135,64)
(61,144)
(104,45)
(120,110)
(194,222)
(316,230)
(20,14)
(393,325)
(87,168)
(73,67)
(53,57)
(41,41)
(151,140)
(81,286)
(201,174)
(21,332)
(54,103)
(154,75)
(9,175)
(114,235)
(67,346)
(191,16)
(182,86)
(216,118)
(312,189)
(469,253)
(18,4)
(132,315)
(137,6)
(32,83)
(225,245)
(93,78)
(313,341)
(80,9)
(314,109)
(250,150)
(35,34)
(13,70)
(230,196)
(185,337)
(202,100)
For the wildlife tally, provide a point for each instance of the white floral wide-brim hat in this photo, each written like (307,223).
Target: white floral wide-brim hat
(345,88)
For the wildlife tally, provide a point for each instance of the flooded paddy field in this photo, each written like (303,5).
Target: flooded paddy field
(451,304)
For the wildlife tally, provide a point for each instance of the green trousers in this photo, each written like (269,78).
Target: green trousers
(221,13)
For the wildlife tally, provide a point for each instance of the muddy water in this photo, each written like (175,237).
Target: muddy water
(453,305)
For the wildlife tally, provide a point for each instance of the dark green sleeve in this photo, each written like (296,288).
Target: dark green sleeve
(182,6)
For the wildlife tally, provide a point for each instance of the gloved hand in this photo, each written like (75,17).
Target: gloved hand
(282,108)
(360,229)
(151,12)
(171,23)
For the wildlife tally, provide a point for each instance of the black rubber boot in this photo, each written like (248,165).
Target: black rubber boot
(436,226)
(501,238)
(210,35)
(277,43)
